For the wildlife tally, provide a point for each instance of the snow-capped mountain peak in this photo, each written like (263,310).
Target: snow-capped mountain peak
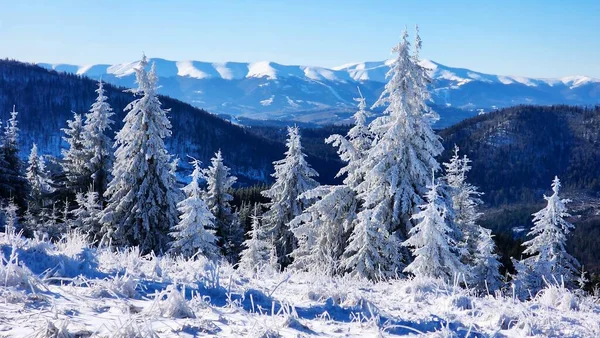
(270,90)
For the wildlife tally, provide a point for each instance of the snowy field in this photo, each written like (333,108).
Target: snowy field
(68,289)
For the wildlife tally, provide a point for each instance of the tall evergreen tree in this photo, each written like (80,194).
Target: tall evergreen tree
(97,144)
(74,161)
(11,220)
(13,183)
(477,248)
(431,241)
(486,265)
(293,176)
(194,234)
(142,196)
(39,182)
(257,247)
(353,148)
(396,168)
(548,258)
(229,232)
(323,228)
(87,213)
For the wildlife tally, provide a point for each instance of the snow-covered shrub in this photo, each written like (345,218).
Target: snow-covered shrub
(121,261)
(338,290)
(418,289)
(171,303)
(182,270)
(117,286)
(72,244)
(14,274)
(559,297)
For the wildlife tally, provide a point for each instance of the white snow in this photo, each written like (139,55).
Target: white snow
(358,71)
(262,69)
(103,293)
(267,102)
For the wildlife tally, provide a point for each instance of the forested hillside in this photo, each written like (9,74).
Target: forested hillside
(517,151)
(46,99)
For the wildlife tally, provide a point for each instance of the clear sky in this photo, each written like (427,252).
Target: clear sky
(545,38)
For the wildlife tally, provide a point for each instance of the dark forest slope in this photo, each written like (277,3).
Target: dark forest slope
(45,100)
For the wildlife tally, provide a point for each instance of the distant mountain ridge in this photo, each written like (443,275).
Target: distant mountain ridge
(318,95)
(46,99)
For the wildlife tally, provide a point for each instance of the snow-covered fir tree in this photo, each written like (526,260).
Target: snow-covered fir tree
(86,215)
(353,148)
(477,246)
(39,182)
(293,176)
(397,166)
(142,197)
(52,226)
(75,161)
(465,200)
(194,234)
(13,184)
(485,269)
(323,228)
(219,183)
(11,220)
(370,249)
(97,144)
(257,248)
(431,241)
(548,258)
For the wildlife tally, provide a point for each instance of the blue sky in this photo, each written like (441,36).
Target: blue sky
(530,38)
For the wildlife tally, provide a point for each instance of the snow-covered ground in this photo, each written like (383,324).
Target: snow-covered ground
(68,289)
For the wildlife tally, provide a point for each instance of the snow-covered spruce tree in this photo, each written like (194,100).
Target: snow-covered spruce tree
(353,148)
(11,220)
(194,234)
(51,226)
(323,228)
(370,249)
(475,243)
(142,196)
(74,161)
(86,215)
(39,182)
(229,233)
(485,270)
(293,176)
(397,166)
(97,144)
(548,258)
(257,247)
(431,241)
(13,183)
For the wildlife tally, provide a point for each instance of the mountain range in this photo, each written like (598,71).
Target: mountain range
(251,92)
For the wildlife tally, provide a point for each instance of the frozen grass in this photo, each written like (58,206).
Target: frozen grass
(120,293)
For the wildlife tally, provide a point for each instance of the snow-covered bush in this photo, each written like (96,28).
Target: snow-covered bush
(72,244)
(122,286)
(557,296)
(171,303)
(14,274)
